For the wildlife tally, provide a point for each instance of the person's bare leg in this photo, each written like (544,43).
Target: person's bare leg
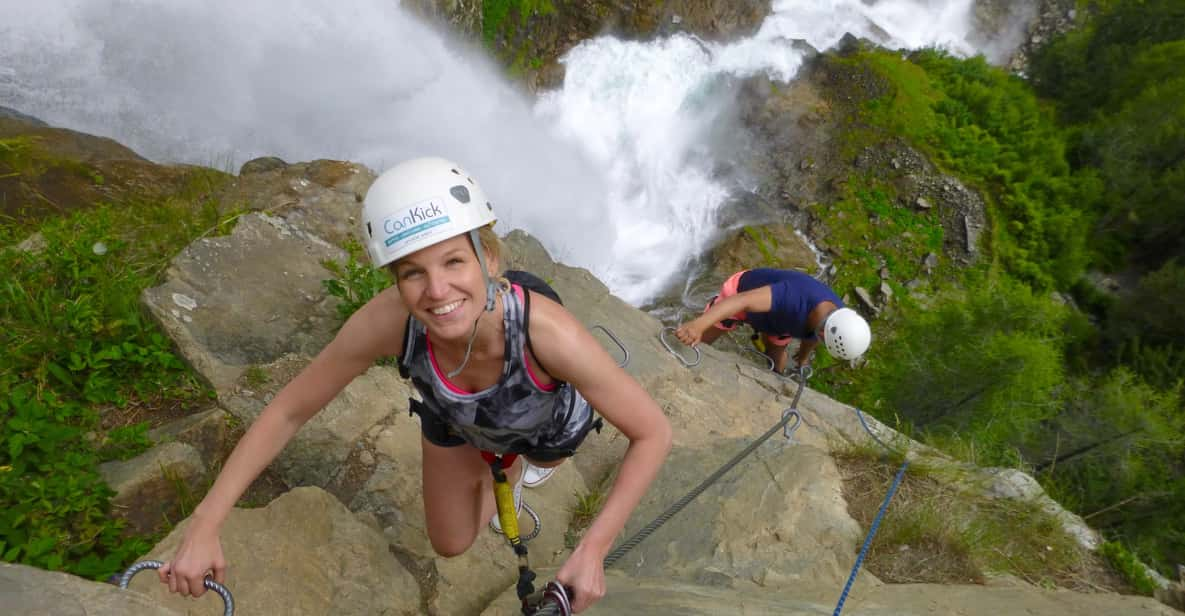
(458,496)
(776,353)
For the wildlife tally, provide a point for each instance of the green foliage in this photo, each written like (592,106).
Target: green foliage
(1086,68)
(1145,329)
(986,126)
(934,533)
(1140,152)
(1118,82)
(766,243)
(77,344)
(494,14)
(17,157)
(356,282)
(1155,311)
(255,376)
(1113,454)
(984,366)
(124,442)
(586,508)
(876,230)
(992,129)
(1128,566)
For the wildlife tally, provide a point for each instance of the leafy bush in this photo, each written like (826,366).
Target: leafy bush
(1113,455)
(357,282)
(987,126)
(985,365)
(495,12)
(78,345)
(1128,566)
(1087,68)
(993,129)
(55,504)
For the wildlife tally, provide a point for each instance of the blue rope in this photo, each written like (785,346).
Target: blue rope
(876,522)
(869,431)
(868,540)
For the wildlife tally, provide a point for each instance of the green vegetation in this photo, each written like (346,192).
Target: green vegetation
(874,231)
(80,353)
(1129,566)
(494,14)
(587,507)
(355,281)
(985,362)
(1083,167)
(766,243)
(934,534)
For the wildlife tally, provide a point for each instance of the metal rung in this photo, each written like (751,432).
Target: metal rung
(663,340)
(228,601)
(624,351)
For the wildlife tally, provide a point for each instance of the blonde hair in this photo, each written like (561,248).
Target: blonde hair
(491,243)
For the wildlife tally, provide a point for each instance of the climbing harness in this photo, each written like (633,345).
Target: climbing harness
(554,599)
(228,601)
(508,518)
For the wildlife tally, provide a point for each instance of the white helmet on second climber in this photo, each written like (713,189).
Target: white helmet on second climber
(421,202)
(846,334)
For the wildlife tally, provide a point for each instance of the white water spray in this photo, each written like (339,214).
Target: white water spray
(219,82)
(614,172)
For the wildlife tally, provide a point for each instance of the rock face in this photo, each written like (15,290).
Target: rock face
(774,535)
(73,170)
(305,553)
(353,541)
(36,592)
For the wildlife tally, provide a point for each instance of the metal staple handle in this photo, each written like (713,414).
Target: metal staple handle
(625,352)
(766,358)
(663,340)
(227,600)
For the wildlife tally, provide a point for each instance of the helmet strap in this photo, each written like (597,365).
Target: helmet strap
(485,272)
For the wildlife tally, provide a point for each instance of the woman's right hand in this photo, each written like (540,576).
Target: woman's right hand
(200,555)
(690,333)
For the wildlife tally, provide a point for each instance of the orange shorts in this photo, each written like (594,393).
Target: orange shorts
(728,289)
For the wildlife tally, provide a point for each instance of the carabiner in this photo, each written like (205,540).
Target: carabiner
(553,600)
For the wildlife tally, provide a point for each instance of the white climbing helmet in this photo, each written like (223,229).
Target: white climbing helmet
(846,334)
(418,203)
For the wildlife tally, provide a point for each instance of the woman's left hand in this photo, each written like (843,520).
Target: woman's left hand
(584,574)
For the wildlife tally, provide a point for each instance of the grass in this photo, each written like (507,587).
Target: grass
(935,533)
(875,231)
(587,506)
(84,367)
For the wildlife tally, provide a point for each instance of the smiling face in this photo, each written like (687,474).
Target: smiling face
(443,287)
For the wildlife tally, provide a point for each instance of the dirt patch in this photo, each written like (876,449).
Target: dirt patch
(933,533)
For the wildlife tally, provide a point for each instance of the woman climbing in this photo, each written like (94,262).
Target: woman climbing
(499,369)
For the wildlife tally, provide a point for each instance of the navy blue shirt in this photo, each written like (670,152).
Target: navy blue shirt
(795,295)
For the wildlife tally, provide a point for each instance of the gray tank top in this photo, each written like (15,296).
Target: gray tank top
(517,414)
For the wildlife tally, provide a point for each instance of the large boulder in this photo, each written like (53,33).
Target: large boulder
(304,553)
